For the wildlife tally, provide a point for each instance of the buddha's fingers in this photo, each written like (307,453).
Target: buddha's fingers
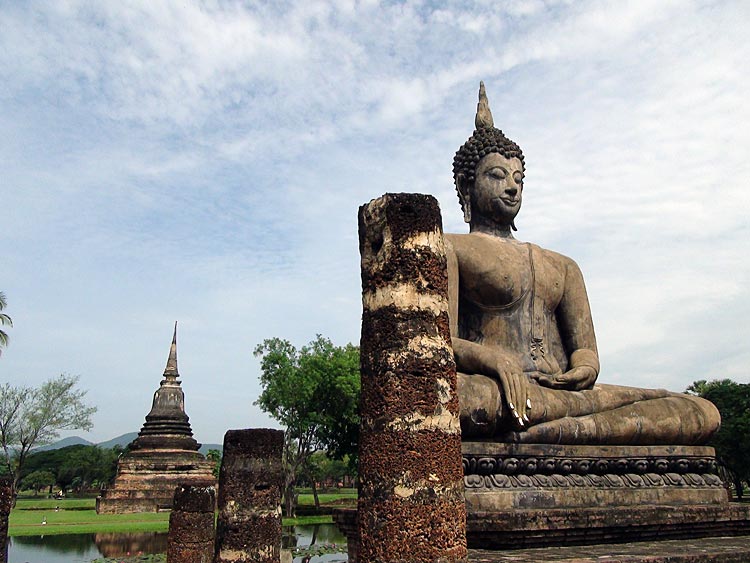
(515,394)
(508,394)
(519,398)
(523,396)
(526,399)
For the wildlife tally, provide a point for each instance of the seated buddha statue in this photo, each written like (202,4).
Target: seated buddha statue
(521,327)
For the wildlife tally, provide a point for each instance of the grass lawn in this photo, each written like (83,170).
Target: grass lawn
(338,498)
(308,520)
(78,516)
(31,503)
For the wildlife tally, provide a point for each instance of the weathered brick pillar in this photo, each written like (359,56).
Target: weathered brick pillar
(6,503)
(411,490)
(191,525)
(250,482)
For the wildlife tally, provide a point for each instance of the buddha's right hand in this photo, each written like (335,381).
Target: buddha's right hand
(515,386)
(502,365)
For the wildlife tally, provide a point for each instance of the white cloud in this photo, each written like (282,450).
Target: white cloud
(204,162)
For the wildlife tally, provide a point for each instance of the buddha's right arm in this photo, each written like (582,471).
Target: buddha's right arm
(473,358)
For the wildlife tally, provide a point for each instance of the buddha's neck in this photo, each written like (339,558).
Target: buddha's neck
(479,225)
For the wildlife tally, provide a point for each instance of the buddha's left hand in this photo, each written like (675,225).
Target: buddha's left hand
(575,379)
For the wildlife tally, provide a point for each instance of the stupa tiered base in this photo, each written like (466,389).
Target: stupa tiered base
(146,480)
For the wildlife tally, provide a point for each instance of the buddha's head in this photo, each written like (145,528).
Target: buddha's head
(488,171)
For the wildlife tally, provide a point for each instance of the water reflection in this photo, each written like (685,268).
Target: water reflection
(72,548)
(67,543)
(75,548)
(118,545)
(82,548)
(315,535)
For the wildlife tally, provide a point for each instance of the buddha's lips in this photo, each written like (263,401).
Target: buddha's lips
(509,201)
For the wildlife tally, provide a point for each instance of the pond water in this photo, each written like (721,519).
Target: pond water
(67,548)
(82,548)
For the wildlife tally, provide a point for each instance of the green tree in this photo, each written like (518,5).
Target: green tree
(5,320)
(732,441)
(700,387)
(328,471)
(313,392)
(37,480)
(215,456)
(32,417)
(48,460)
(87,466)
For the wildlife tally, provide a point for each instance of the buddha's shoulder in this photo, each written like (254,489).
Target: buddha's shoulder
(467,240)
(564,264)
(465,243)
(556,257)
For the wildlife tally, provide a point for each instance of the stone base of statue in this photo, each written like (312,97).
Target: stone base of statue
(529,495)
(535,527)
(535,495)
(543,476)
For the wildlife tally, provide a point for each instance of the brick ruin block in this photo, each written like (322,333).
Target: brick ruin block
(191,525)
(6,503)
(250,484)
(411,491)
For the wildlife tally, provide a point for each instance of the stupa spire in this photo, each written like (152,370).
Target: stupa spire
(167,426)
(171,369)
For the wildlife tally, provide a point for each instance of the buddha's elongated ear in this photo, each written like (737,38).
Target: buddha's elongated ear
(464,196)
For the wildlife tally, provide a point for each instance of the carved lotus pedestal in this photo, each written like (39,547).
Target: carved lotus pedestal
(513,476)
(521,495)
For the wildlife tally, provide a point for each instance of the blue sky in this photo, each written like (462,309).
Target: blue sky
(204,162)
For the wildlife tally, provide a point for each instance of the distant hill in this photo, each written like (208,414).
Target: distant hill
(205,447)
(71,441)
(122,440)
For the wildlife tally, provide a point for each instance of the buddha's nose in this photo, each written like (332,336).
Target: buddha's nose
(511,190)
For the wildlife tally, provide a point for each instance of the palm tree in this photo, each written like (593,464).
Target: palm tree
(4,320)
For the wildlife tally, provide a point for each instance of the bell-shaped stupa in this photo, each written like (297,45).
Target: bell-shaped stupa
(167,426)
(163,456)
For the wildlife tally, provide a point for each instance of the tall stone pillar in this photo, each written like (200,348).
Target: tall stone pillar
(6,503)
(250,482)
(191,525)
(411,501)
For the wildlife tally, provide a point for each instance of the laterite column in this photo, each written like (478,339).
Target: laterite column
(411,501)
(191,525)
(6,503)
(250,482)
